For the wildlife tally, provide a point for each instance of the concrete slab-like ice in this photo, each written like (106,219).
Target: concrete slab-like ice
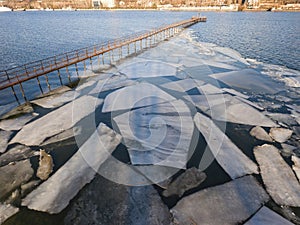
(7,211)
(225,107)
(183,85)
(296,166)
(4,138)
(259,133)
(208,89)
(227,154)
(249,80)
(158,135)
(281,182)
(230,203)
(139,95)
(148,68)
(17,123)
(266,216)
(280,134)
(17,153)
(13,175)
(54,195)
(55,100)
(234,92)
(56,121)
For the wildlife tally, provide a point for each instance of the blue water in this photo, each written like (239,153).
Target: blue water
(28,36)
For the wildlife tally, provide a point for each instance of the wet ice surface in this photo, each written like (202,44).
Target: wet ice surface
(179,105)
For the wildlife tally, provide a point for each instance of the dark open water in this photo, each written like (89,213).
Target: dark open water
(28,36)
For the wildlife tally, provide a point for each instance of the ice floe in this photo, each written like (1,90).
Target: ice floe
(56,121)
(225,107)
(55,100)
(139,95)
(230,203)
(54,195)
(13,175)
(234,92)
(17,153)
(227,154)
(148,69)
(7,211)
(281,182)
(183,85)
(191,178)
(249,80)
(104,202)
(45,165)
(259,133)
(266,216)
(280,134)
(296,166)
(18,122)
(4,138)
(158,135)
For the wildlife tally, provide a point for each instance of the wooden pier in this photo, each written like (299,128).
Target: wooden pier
(14,77)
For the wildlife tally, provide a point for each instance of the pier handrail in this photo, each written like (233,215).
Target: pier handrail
(19,74)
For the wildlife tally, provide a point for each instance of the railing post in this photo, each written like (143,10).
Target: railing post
(12,88)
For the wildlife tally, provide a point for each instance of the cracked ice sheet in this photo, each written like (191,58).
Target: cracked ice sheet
(139,95)
(54,195)
(55,100)
(227,154)
(56,121)
(7,211)
(158,134)
(148,69)
(224,107)
(4,137)
(249,80)
(266,216)
(183,85)
(278,177)
(230,203)
(17,123)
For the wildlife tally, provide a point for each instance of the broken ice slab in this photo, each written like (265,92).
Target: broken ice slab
(278,177)
(56,121)
(54,195)
(250,81)
(4,138)
(7,211)
(280,134)
(234,92)
(227,108)
(287,119)
(217,64)
(18,122)
(17,111)
(260,134)
(139,95)
(158,135)
(112,82)
(17,153)
(266,216)
(230,203)
(13,175)
(183,85)
(55,100)
(148,69)
(227,154)
(231,53)
(191,178)
(208,89)
(296,166)
(104,202)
